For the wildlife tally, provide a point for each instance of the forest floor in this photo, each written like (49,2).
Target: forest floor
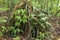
(55,28)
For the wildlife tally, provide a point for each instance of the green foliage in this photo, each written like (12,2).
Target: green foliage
(1,34)
(17,38)
(4,9)
(3,28)
(22,17)
(43,36)
(3,20)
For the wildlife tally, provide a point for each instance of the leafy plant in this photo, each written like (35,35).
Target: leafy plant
(3,20)
(24,20)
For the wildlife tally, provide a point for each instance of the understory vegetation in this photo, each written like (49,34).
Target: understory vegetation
(27,19)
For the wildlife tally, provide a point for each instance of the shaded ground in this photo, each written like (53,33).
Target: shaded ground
(55,28)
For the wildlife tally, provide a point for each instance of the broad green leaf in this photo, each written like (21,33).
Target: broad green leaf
(12,28)
(4,8)
(3,20)
(3,27)
(17,17)
(17,24)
